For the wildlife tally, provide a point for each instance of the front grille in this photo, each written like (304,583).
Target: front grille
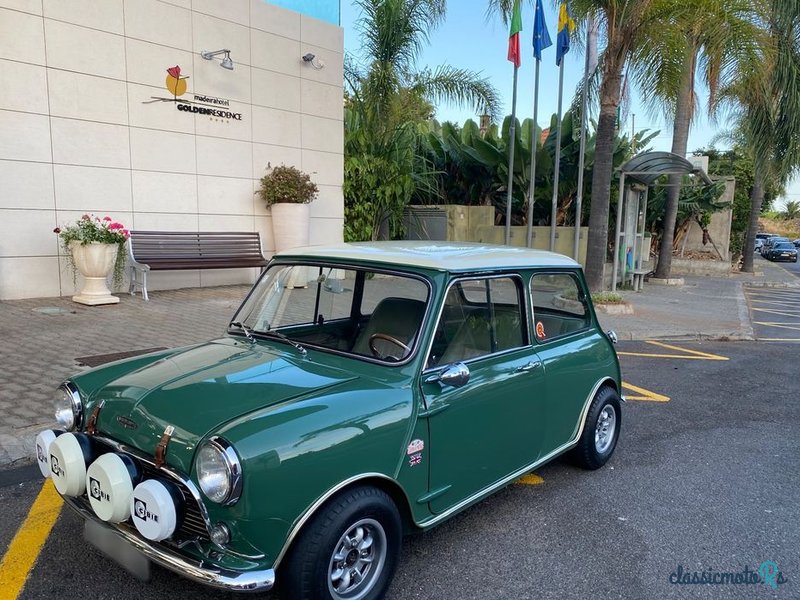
(191,525)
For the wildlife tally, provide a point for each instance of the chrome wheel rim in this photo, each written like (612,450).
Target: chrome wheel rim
(357,560)
(604,431)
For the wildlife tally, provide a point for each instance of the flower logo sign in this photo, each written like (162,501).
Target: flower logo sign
(174,82)
(216,109)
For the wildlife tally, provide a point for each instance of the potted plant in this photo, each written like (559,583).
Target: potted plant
(95,247)
(288,191)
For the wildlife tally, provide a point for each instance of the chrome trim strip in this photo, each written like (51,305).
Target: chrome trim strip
(234,468)
(199,571)
(518,473)
(77,404)
(321,500)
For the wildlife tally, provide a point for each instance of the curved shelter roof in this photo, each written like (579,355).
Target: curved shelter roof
(649,166)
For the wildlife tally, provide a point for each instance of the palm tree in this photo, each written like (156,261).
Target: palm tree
(721,35)
(766,100)
(386,97)
(792,210)
(632,31)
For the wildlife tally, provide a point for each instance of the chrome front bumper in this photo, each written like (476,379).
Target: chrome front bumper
(232,581)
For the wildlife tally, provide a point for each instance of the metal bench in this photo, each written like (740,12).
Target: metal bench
(182,250)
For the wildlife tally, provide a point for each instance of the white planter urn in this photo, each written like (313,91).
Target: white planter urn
(290,225)
(94,261)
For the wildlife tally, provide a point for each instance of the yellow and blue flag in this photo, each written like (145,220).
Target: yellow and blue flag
(565,27)
(541,37)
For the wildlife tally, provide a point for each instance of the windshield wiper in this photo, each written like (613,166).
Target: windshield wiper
(285,338)
(244,328)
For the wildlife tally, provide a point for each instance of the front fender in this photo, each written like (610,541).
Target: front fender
(293,454)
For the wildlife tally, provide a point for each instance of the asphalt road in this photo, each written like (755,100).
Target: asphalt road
(708,481)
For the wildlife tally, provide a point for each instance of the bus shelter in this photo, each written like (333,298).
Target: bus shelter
(637,176)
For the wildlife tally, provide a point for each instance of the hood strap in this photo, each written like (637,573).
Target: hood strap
(91,426)
(161,447)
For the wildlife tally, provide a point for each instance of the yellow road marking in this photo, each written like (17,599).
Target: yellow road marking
(530,479)
(643,394)
(27,543)
(688,354)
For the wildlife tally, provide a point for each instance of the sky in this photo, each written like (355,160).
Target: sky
(468,40)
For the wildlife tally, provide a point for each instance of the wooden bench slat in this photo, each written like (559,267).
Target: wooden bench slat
(182,250)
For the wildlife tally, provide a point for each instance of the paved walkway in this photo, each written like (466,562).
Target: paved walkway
(41,338)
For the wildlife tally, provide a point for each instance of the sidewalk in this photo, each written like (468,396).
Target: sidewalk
(702,308)
(41,338)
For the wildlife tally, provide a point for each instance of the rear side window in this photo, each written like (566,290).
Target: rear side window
(559,306)
(480,317)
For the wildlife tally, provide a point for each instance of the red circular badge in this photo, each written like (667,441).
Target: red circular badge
(540,330)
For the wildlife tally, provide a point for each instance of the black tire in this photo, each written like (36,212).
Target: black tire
(590,453)
(308,571)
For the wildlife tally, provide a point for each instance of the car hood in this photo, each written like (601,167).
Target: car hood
(199,389)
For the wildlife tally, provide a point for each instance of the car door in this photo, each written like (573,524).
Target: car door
(573,351)
(485,428)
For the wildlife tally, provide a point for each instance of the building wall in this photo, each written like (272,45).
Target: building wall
(87,125)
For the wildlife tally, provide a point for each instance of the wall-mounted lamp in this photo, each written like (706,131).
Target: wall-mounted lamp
(313,61)
(226,63)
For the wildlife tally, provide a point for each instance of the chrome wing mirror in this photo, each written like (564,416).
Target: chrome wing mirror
(455,375)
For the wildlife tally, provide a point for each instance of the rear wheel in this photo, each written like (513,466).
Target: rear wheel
(600,432)
(348,551)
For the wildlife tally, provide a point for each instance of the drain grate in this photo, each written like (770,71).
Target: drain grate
(52,311)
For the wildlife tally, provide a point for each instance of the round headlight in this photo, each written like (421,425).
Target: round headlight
(219,471)
(68,407)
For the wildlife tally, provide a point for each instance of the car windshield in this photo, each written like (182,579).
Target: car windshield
(784,246)
(346,310)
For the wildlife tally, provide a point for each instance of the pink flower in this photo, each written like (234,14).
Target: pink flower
(86,218)
(106,218)
(126,233)
(116,225)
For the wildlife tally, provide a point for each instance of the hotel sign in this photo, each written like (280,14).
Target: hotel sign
(217,109)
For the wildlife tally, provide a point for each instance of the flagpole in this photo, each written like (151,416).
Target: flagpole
(534,144)
(554,210)
(582,152)
(511,135)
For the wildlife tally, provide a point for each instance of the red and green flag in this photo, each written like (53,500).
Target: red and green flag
(514,51)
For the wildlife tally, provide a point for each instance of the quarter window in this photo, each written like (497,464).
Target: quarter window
(559,305)
(479,317)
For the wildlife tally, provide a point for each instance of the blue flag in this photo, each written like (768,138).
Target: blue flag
(565,27)
(541,37)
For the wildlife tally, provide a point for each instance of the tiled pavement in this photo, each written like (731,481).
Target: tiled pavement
(38,349)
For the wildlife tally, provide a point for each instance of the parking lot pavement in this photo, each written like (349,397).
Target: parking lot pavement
(706,480)
(775,314)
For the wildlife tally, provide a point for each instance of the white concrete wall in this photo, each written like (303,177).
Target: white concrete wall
(76,135)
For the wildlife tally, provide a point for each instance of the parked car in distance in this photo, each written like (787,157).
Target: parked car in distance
(760,237)
(769,242)
(796,243)
(782,251)
(360,391)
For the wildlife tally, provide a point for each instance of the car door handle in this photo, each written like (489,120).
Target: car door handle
(534,364)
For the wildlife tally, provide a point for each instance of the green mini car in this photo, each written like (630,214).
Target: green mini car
(361,391)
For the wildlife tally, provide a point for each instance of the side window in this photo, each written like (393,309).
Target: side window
(479,317)
(559,307)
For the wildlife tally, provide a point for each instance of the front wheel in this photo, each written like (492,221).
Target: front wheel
(600,432)
(348,551)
